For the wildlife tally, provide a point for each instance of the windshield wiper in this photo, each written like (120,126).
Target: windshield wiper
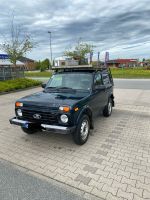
(64,88)
(50,88)
(58,89)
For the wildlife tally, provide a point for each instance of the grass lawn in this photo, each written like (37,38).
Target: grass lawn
(117,73)
(130,73)
(22,83)
(38,74)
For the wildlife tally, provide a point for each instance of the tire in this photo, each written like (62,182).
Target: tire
(80,136)
(29,130)
(108,108)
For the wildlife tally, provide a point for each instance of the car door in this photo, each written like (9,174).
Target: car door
(98,97)
(108,85)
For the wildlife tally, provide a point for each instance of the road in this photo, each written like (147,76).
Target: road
(18,184)
(143,84)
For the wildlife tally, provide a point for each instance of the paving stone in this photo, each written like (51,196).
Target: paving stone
(130,169)
(113,136)
(93,176)
(123,173)
(110,189)
(115,177)
(119,128)
(102,173)
(136,197)
(121,125)
(143,186)
(118,185)
(145,174)
(102,153)
(147,180)
(90,169)
(116,132)
(107,181)
(97,160)
(125,195)
(125,163)
(110,169)
(83,179)
(128,181)
(137,177)
(134,190)
(85,188)
(99,193)
(105,146)
(88,196)
(112,197)
(110,141)
(96,184)
(146,194)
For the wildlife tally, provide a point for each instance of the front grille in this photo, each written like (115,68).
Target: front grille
(46,117)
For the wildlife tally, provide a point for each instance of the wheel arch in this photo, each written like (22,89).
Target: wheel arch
(87,111)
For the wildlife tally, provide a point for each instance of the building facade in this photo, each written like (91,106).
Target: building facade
(123,63)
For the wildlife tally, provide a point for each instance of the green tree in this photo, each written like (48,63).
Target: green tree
(46,63)
(43,65)
(80,51)
(18,44)
(38,65)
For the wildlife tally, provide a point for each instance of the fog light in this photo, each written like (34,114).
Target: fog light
(64,118)
(19,112)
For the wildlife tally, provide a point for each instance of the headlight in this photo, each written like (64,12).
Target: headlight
(64,118)
(19,112)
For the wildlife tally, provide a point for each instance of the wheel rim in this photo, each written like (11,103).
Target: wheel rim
(84,129)
(109,107)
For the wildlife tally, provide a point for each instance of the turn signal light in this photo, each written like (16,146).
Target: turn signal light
(64,108)
(18,104)
(76,109)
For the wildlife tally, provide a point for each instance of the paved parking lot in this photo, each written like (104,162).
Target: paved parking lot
(113,164)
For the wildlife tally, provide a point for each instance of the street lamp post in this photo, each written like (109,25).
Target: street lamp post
(50,45)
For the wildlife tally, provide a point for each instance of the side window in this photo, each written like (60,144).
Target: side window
(98,79)
(106,79)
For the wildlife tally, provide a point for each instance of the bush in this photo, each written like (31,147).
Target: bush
(11,85)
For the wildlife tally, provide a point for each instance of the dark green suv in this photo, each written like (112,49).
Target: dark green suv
(68,103)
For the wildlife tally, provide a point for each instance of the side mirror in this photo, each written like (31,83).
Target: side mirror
(43,85)
(100,87)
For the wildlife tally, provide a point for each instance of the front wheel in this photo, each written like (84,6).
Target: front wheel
(108,108)
(29,130)
(80,136)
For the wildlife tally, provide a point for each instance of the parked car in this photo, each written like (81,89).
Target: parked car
(68,103)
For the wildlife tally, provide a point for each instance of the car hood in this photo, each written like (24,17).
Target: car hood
(53,99)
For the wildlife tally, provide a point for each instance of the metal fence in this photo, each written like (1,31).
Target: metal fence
(9,72)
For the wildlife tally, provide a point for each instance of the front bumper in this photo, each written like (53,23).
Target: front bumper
(43,127)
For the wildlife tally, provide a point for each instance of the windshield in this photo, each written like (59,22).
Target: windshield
(77,81)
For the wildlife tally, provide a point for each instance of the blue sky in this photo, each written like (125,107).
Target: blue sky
(120,27)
